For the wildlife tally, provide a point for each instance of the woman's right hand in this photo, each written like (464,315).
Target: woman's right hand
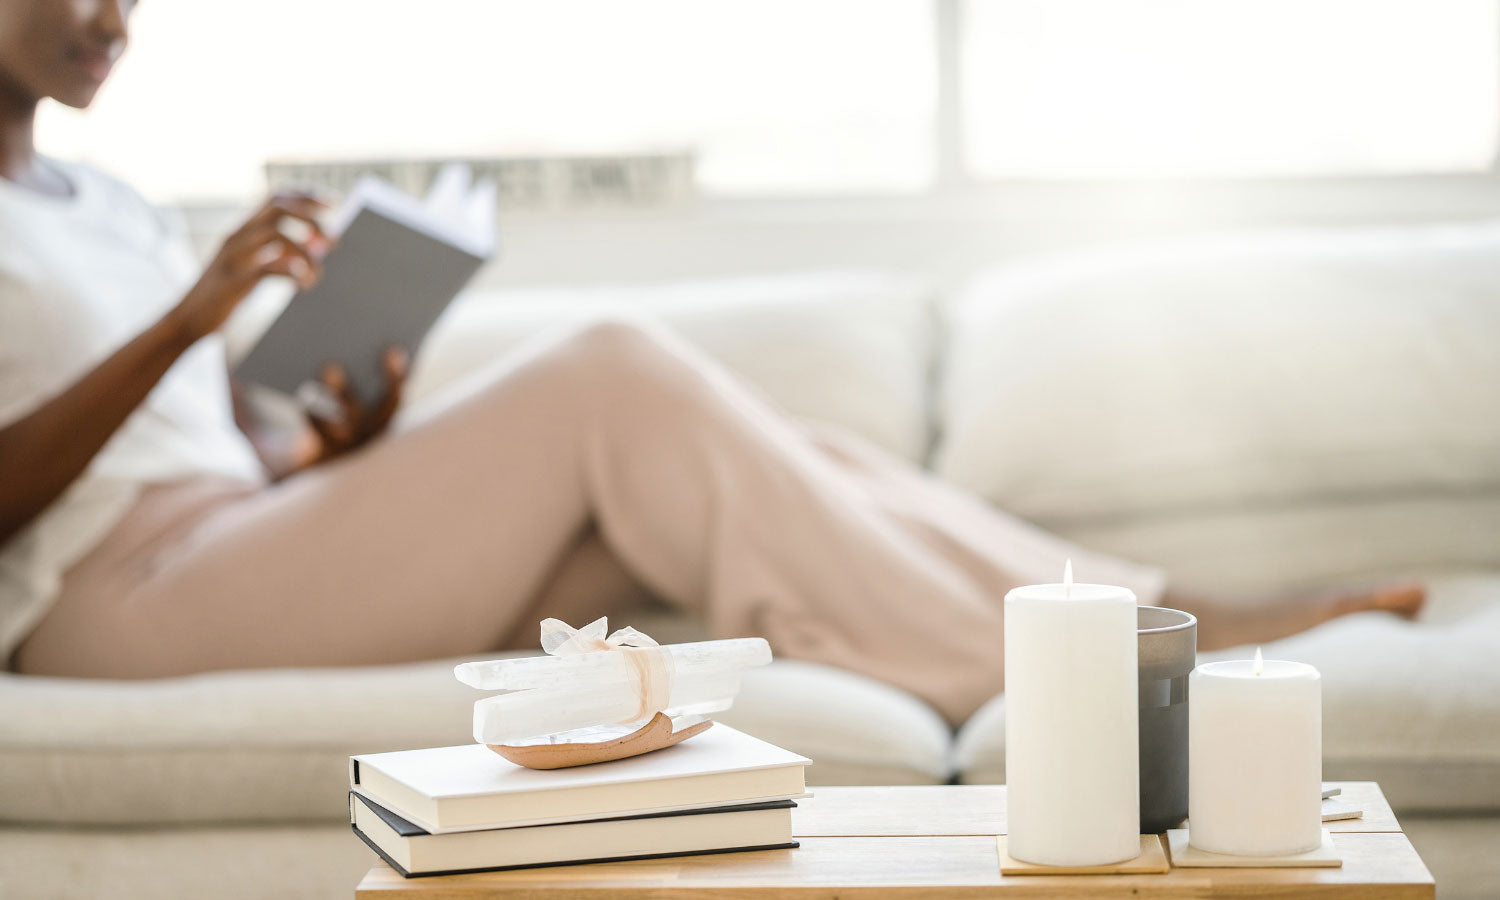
(259,248)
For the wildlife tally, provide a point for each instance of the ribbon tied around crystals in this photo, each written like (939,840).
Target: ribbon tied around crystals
(650,665)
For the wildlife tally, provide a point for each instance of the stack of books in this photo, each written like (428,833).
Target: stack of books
(448,810)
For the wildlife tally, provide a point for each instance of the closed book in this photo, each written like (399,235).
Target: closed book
(470,787)
(414,852)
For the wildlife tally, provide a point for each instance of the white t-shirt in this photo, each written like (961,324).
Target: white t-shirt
(79,278)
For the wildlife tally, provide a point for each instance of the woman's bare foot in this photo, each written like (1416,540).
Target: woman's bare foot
(1404,599)
(1226,623)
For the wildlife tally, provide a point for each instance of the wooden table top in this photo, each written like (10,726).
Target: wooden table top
(887,842)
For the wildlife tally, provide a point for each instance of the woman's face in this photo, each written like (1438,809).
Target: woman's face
(63,49)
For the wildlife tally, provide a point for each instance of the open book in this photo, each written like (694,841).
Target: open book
(396,265)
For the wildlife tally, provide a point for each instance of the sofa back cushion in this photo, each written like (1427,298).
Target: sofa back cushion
(1256,411)
(850,347)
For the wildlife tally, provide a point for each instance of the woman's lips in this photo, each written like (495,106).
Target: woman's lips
(96,63)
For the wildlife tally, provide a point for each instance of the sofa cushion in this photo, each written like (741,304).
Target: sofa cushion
(852,348)
(1183,402)
(1259,551)
(273,745)
(1414,706)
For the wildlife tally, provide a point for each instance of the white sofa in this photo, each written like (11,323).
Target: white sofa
(1252,414)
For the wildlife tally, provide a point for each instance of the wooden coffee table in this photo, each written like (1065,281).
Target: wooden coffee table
(932,842)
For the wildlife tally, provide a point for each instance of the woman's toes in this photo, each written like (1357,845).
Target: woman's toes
(1405,600)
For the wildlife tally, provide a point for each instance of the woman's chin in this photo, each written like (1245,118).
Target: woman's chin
(77,96)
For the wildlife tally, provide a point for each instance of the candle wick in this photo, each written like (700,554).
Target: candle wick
(1260,663)
(1068,580)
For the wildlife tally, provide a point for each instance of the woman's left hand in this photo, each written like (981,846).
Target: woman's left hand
(355,425)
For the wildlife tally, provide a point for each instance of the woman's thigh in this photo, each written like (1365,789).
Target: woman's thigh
(433,540)
(589,582)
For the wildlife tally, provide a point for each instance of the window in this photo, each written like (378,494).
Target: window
(801,96)
(1229,87)
(772,96)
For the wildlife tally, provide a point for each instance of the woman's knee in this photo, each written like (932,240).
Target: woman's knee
(619,340)
(624,366)
(621,352)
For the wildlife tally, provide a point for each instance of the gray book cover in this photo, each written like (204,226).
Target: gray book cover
(395,267)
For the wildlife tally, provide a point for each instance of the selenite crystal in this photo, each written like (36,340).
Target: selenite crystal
(591,690)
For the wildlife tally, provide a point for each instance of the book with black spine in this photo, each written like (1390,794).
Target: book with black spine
(415,852)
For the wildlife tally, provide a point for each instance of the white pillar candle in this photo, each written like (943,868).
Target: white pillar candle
(1255,757)
(1071,757)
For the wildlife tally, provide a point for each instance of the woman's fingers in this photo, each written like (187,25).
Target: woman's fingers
(264,228)
(334,435)
(337,380)
(343,432)
(290,266)
(269,218)
(302,207)
(353,426)
(279,255)
(397,365)
(257,249)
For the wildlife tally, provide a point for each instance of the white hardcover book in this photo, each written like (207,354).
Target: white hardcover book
(470,787)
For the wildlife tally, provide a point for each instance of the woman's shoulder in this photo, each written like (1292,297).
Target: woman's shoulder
(93,184)
(43,237)
(102,207)
(97,199)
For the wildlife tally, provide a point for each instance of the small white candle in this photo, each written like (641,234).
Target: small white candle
(1071,757)
(1255,757)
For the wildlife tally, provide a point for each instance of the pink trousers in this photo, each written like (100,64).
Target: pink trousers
(577,478)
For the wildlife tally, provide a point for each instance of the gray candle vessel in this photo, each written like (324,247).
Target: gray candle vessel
(1167,650)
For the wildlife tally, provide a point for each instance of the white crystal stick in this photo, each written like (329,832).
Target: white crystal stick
(693,660)
(506,718)
(546,695)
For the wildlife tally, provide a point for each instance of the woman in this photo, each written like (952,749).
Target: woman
(141,537)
